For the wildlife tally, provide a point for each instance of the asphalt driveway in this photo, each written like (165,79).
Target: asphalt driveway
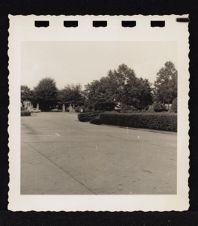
(60,155)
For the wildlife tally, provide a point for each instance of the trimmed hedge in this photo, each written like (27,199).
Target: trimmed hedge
(87,116)
(96,120)
(157,121)
(25,113)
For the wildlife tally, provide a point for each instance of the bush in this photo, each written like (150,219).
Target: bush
(150,109)
(77,108)
(55,110)
(174,106)
(157,121)
(25,113)
(87,116)
(158,107)
(104,106)
(128,109)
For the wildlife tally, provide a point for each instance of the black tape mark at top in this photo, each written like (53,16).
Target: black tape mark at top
(99,23)
(70,23)
(41,23)
(182,19)
(128,23)
(157,23)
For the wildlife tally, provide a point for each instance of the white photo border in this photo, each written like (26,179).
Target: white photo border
(22,29)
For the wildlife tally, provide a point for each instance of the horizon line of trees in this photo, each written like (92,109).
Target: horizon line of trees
(119,87)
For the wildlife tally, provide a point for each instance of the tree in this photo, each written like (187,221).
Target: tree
(174,105)
(45,94)
(26,93)
(130,90)
(166,84)
(98,91)
(122,79)
(109,88)
(71,94)
(120,86)
(137,93)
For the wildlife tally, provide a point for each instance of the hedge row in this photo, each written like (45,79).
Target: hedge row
(87,116)
(25,113)
(157,121)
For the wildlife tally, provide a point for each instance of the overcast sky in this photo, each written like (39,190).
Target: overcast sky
(83,62)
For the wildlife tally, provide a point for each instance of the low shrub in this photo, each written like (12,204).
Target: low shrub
(96,120)
(25,113)
(150,109)
(56,110)
(87,116)
(128,109)
(157,121)
(158,107)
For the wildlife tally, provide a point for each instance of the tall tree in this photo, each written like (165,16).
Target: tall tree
(46,94)
(71,94)
(165,89)
(98,91)
(26,93)
(137,93)
(122,86)
(119,79)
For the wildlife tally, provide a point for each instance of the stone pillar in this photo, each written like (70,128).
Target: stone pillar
(37,107)
(63,108)
(71,109)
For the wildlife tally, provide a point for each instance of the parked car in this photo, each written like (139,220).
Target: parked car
(35,110)
(117,108)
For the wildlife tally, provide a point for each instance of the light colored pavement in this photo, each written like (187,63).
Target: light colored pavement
(60,155)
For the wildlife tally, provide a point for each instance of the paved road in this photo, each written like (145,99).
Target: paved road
(61,155)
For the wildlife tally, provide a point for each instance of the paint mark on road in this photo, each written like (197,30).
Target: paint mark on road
(147,171)
(42,135)
(39,135)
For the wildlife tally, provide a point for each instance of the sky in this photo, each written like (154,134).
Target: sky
(82,62)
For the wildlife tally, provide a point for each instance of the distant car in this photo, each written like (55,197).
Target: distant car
(35,110)
(117,108)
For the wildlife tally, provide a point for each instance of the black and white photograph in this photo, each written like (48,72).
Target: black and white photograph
(101,116)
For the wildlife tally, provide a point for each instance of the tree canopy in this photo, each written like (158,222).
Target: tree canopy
(45,93)
(26,93)
(120,86)
(166,84)
(71,94)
